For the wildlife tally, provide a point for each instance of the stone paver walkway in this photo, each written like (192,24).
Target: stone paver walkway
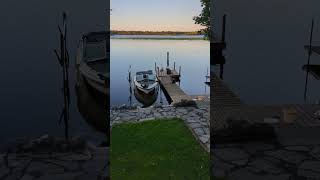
(295,155)
(47,158)
(197,119)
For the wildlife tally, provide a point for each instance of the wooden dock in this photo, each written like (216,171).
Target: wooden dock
(223,95)
(226,104)
(168,79)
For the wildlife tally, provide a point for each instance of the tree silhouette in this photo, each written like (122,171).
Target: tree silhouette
(204,17)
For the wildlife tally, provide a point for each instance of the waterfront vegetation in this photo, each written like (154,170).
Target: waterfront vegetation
(157,149)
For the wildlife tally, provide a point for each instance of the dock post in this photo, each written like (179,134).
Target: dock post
(167,59)
(155,66)
(309,55)
(221,71)
(223,28)
(174,65)
(179,70)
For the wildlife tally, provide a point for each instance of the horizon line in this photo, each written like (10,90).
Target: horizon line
(153,31)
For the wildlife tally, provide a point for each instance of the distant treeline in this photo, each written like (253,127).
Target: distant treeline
(154,33)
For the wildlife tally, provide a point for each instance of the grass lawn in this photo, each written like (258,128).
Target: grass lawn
(157,150)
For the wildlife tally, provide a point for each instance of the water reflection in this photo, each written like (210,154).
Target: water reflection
(192,55)
(92,106)
(145,99)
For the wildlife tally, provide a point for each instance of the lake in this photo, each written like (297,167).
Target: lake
(265,51)
(159,37)
(31,96)
(192,55)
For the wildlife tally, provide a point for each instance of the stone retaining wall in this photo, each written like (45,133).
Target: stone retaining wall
(197,119)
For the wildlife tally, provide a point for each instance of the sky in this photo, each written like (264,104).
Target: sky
(155,15)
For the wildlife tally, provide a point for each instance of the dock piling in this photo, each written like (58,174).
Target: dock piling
(309,55)
(167,59)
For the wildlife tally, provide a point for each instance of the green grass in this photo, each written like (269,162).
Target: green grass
(157,150)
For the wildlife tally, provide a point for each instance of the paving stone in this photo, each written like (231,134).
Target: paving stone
(263,165)
(94,166)
(182,111)
(298,148)
(315,152)
(256,147)
(219,173)
(245,174)
(4,171)
(18,163)
(231,154)
(157,115)
(67,165)
(199,131)
(46,168)
(309,170)
(195,125)
(204,139)
(63,176)
(206,131)
(287,156)
(89,176)
(14,176)
(219,164)
(147,119)
(192,114)
(191,120)
(76,157)
(241,162)
(27,177)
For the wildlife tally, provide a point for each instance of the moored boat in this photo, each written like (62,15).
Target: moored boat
(145,99)
(92,60)
(146,82)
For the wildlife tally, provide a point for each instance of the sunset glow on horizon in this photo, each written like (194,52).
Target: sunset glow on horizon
(148,15)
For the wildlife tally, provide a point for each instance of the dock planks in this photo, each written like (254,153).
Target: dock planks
(227,104)
(224,102)
(170,88)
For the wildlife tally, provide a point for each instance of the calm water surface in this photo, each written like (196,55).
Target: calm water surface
(31,78)
(192,55)
(157,37)
(265,51)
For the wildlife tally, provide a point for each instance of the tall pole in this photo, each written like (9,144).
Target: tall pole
(223,28)
(309,55)
(63,59)
(167,59)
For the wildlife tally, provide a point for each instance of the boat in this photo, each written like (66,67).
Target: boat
(146,82)
(92,60)
(145,99)
(92,109)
